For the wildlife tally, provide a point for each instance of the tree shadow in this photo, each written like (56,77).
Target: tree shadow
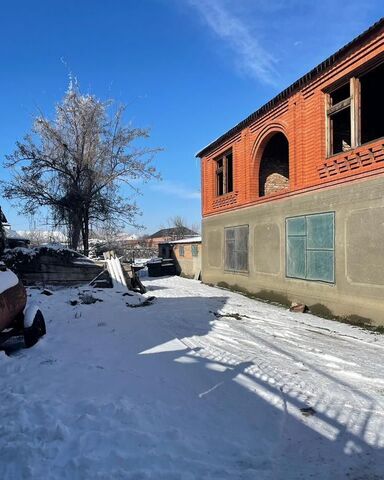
(251,409)
(170,378)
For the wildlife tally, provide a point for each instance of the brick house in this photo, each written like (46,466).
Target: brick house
(170,234)
(293,196)
(187,253)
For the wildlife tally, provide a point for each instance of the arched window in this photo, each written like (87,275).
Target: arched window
(274,166)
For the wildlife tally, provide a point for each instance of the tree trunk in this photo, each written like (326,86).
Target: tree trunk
(74,231)
(85,233)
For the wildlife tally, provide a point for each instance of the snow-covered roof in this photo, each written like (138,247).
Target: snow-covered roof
(12,234)
(188,240)
(43,235)
(172,232)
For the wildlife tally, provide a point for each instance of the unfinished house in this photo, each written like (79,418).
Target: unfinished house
(293,196)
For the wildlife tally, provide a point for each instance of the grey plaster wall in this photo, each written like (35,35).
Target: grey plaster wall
(359,250)
(189,267)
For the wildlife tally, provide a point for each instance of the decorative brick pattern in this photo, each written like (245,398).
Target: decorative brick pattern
(357,160)
(301,117)
(225,200)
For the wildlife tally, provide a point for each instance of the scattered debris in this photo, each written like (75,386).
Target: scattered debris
(236,316)
(102,280)
(88,298)
(145,303)
(73,302)
(308,411)
(136,284)
(114,269)
(197,275)
(298,308)
(46,292)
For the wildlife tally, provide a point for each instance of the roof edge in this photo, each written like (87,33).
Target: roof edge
(300,83)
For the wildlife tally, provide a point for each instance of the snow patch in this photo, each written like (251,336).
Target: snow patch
(175,392)
(7,280)
(30,313)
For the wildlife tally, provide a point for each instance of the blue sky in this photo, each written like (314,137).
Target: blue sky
(188,69)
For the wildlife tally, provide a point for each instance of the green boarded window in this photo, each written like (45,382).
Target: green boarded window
(195,250)
(181,251)
(236,249)
(311,247)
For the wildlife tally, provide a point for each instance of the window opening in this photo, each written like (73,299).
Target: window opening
(310,247)
(274,166)
(236,249)
(372,104)
(224,174)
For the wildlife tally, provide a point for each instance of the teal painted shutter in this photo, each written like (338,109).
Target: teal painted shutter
(320,265)
(320,247)
(296,264)
(296,247)
(320,231)
(296,226)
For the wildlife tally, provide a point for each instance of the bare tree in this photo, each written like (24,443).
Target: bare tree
(180,227)
(76,164)
(196,227)
(40,237)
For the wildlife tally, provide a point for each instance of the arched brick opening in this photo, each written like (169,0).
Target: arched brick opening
(274,165)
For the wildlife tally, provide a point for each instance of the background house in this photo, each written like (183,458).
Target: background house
(170,234)
(187,255)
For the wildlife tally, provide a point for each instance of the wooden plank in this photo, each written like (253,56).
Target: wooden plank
(120,272)
(355,112)
(68,269)
(114,269)
(340,106)
(328,126)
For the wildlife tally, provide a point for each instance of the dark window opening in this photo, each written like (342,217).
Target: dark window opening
(340,94)
(229,173)
(339,114)
(274,166)
(341,130)
(372,104)
(224,174)
(354,112)
(220,177)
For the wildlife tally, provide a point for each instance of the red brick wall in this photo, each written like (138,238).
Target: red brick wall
(187,250)
(301,118)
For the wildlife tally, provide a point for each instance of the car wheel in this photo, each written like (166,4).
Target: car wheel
(35,331)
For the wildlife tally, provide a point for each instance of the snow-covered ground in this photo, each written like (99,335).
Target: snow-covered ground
(201,384)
